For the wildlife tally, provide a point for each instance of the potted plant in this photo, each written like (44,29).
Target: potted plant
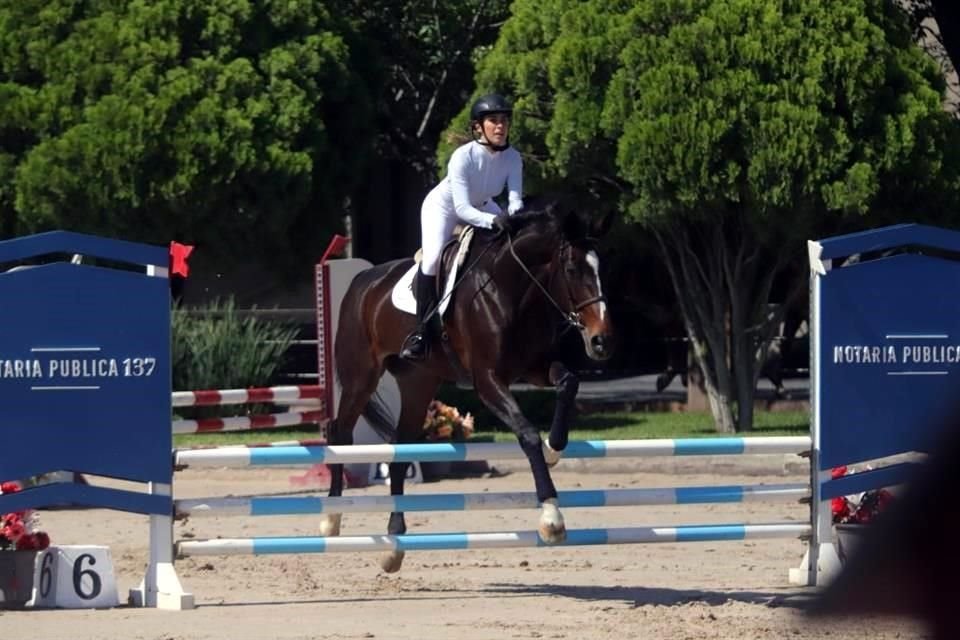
(852,514)
(19,544)
(444,423)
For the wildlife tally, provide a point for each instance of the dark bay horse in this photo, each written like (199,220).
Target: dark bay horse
(517,294)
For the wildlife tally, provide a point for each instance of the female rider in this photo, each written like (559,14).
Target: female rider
(478,171)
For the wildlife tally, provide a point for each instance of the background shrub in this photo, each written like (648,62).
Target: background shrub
(217,347)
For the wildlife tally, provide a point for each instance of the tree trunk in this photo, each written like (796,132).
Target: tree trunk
(947,15)
(722,410)
(716,376)
(722,276)
(746,391)
(743,361)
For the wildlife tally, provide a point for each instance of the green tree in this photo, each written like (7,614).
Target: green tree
(236,124)
(423,50)
(734,130)
(420,54)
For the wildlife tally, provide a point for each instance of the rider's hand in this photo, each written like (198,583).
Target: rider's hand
(501,226)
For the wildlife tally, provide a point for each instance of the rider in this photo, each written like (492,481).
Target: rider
(478,171)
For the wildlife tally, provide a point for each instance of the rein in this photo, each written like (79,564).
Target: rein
(456,283)
(572,319)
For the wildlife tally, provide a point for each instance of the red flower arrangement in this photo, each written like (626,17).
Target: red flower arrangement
(858,508)
(16,529)
(444,423)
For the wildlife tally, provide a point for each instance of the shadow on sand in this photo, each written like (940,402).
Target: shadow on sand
(641,596)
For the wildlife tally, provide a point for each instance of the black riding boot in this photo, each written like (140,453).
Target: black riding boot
(417,345)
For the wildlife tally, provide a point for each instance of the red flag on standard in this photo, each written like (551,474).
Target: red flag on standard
(178,258)
(336,247)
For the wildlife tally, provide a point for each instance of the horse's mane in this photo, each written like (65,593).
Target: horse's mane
(552,216)
(527,218)
(538,210)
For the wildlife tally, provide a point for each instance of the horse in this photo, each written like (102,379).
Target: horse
(516,295)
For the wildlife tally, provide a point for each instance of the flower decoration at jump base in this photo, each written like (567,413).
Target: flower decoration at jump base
(860,508)
(444,423)
(17,529)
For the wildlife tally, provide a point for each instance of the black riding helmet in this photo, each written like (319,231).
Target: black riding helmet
(488,105)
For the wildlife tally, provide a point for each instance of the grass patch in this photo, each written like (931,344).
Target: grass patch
(642,425)
(596,426)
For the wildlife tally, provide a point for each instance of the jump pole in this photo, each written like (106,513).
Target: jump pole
(277,506)
(440,452)
(502,540)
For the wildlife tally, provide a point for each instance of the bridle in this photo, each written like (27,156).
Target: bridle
(572,319)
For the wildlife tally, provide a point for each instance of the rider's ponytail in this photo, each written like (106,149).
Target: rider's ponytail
(458,138)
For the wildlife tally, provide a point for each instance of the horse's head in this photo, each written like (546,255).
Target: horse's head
(573,284)
(578,278)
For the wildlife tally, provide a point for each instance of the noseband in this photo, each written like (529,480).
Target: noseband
(571,319)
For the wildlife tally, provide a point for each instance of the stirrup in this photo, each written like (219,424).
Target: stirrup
(415,347)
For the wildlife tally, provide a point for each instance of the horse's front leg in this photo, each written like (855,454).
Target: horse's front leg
(567,384)
(497,397)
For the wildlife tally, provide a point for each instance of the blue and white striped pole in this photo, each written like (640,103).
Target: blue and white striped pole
(275,506)
(442,452)
(511,539)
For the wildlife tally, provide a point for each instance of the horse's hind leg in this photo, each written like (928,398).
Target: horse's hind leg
(358,384)
(497,397)
(417,390)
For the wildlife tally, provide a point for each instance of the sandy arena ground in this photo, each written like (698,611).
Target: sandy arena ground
(694,591)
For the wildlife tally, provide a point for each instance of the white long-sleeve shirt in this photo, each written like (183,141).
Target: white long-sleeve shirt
(475,175)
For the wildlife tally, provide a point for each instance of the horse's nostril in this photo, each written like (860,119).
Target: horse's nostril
(599,343)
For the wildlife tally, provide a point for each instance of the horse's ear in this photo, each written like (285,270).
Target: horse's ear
(599,228)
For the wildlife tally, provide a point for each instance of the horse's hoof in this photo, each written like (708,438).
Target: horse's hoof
(552,457)
(330,524)
(552,530)
(391,562)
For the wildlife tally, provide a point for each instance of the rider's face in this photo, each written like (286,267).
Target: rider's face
(496,128)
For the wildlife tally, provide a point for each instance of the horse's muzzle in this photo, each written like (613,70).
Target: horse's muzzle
(601,347)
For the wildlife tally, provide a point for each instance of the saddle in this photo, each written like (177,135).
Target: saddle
(452,257)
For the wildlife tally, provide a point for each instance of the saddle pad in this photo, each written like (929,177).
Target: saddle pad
(402,294)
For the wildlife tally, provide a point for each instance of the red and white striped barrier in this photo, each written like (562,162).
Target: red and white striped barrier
(246,423)
(313,442)
(294,394)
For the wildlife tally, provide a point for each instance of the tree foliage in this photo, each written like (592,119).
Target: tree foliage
(422,53)
(420,56)
(235,123)
(733,130)
(553,101)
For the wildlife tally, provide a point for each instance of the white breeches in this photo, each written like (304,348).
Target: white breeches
(436,226)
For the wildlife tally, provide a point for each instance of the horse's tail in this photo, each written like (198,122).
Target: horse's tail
(356,335)
(378,414)
(380,418)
